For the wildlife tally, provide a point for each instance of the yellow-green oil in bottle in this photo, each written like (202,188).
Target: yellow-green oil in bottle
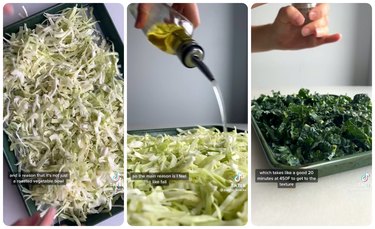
(167,37)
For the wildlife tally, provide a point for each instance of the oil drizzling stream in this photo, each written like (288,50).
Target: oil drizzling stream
(220,101)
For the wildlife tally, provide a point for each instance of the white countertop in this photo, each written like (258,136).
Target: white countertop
(339,199)
(14,207)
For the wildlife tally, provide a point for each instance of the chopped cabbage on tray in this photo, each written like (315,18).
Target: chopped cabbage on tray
(216,192)
(63,111)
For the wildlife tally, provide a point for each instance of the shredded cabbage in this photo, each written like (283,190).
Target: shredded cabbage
(213,195)
(63,111)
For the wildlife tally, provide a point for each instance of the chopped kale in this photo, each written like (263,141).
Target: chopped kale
(305,128)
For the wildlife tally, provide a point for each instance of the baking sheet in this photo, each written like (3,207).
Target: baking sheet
(325,168)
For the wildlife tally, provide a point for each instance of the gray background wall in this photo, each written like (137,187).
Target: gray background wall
(347,62)
(162,92)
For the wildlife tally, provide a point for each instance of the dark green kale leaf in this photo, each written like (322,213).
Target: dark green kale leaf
(304,128)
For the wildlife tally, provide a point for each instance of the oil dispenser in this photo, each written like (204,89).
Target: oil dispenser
(172,33)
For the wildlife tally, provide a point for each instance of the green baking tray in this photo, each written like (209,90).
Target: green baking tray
(324,168)
(109,32)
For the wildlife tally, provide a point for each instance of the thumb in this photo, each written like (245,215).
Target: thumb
(8,9)
(47,220)
(290,15)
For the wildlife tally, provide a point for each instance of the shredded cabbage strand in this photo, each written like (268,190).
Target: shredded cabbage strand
(211,196)
(63,111)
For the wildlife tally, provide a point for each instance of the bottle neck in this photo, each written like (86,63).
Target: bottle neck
(189,50)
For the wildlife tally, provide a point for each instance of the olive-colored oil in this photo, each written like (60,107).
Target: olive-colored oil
(168,37)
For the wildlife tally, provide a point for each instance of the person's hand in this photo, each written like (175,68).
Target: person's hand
(288,34)
(288,31)
(36,220)
(189,10)
(8,9)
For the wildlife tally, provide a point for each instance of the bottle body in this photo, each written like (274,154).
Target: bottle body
(167,37)
(169,31)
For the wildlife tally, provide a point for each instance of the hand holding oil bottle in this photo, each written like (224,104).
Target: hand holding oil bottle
(298,26)
(169,30)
